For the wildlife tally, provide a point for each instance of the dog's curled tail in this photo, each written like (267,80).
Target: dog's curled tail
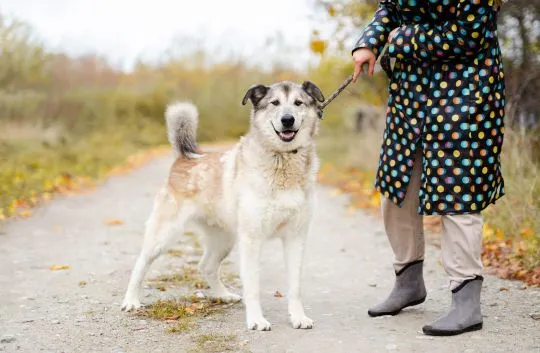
(182,119)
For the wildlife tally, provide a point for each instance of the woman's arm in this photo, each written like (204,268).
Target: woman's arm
(375,35)
(456,39)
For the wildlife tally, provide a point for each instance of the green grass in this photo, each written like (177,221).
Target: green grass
(182,326)
(215,343)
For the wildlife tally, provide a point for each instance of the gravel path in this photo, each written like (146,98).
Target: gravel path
(347,269)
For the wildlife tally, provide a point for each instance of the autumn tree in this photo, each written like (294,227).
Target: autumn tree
(21,56)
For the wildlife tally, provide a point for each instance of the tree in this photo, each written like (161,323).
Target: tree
(22,58)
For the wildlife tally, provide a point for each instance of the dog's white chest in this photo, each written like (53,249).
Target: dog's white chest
(282,210)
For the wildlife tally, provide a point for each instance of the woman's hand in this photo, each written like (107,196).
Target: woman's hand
(361,57)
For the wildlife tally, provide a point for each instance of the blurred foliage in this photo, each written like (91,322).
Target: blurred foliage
(22,56)
(519,32)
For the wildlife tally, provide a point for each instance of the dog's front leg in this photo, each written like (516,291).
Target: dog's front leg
(294,244)
(250,249)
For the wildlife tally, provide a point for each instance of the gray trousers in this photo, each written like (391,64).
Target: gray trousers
(461,235)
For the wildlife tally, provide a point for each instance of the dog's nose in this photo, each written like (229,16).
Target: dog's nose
(287,120)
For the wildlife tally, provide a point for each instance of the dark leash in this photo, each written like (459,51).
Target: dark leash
(336,93)
(384,61)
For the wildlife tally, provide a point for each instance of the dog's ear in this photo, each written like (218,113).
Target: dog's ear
(255,93)
(313,91)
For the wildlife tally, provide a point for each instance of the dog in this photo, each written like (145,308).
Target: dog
(261,188)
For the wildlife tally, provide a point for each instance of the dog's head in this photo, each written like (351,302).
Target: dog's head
(285,114)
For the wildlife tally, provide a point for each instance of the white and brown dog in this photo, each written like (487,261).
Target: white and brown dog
(261,188)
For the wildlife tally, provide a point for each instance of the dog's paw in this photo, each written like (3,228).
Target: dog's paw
(130,304)
(302,322)
(259,324)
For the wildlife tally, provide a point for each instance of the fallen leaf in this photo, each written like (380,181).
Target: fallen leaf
(172,318)
(82,283)
(25,213)
(527,233)
(503,289)
(191,309)
(59,267)
(114,222)
(535,316)
(278,294)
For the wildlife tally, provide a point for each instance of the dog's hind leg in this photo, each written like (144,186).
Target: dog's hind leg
(293,244)
(166,221)
(217,246)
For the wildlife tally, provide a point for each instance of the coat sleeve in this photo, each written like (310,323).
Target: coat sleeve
(459,38)
(376,32)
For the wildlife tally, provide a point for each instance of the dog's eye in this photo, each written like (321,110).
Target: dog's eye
(276,102)
(298,103)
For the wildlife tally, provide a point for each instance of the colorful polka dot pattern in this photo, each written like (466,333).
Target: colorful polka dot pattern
(446,98)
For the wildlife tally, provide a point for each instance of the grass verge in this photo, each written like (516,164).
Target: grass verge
(36,170)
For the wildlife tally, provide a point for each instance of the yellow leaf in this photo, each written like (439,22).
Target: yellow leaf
(114,222)
(59,267)
(527,233)
(375,200)
(25,213)
(331,11)
(48,185)
(190,309)
(318,46)
(488,231)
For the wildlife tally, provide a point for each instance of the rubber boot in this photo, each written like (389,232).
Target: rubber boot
(465,314)
(409,290)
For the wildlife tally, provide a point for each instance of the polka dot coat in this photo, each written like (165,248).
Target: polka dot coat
(446,97)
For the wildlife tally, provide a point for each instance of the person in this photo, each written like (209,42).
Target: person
(441,146)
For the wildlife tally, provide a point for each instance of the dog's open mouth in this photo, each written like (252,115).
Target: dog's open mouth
(286,135)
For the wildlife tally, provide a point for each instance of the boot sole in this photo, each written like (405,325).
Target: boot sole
(392,313)
(434,332)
